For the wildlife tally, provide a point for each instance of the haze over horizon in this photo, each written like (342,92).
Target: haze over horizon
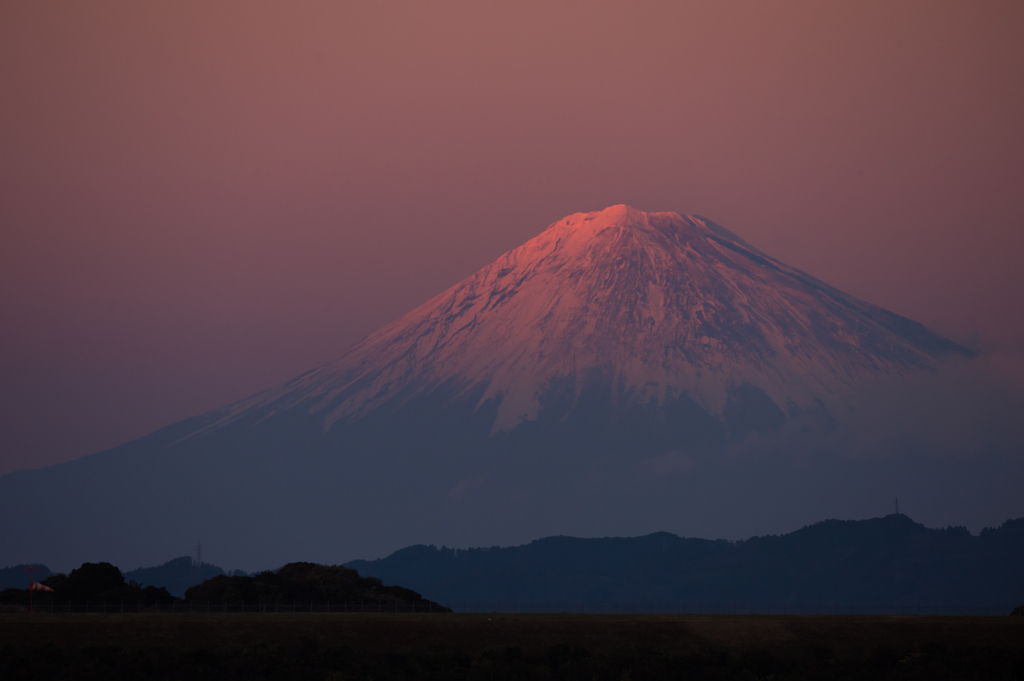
(200,202)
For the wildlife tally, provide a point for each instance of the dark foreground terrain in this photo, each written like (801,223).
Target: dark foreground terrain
(492,646)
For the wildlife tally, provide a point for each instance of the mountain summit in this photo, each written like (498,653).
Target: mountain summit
(648,307)
(600,378)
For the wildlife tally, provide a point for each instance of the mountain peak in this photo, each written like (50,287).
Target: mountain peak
(617,215)
(667,228)
(620,216)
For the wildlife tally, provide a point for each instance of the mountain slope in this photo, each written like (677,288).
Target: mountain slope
(599,379)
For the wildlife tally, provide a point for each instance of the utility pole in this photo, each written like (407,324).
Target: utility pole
(199,554)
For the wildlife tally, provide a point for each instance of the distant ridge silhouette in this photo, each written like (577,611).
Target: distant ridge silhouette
(882,561)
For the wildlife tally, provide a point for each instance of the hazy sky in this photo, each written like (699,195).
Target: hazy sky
(201,199)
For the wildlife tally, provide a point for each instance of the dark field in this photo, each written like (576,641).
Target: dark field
(505,646)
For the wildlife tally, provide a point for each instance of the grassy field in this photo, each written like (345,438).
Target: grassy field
(506,646)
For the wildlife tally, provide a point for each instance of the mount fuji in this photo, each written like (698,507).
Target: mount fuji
(653,310)
(599,378)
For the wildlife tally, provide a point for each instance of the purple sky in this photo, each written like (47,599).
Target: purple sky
(199,200)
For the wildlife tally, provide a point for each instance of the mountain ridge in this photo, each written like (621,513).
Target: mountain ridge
(880,561)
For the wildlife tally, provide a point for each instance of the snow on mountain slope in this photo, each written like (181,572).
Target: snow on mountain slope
(658,304)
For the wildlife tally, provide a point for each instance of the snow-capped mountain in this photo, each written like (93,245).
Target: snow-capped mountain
(656,306)
(591,381)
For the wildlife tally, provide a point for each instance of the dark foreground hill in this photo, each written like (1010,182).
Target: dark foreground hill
(175,575)
(92,582)
(882,561)
(306,583)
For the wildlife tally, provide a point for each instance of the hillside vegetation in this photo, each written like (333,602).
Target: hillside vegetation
(305,583)
(92,582)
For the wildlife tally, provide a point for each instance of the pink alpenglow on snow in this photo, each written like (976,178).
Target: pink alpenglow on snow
(660,304)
